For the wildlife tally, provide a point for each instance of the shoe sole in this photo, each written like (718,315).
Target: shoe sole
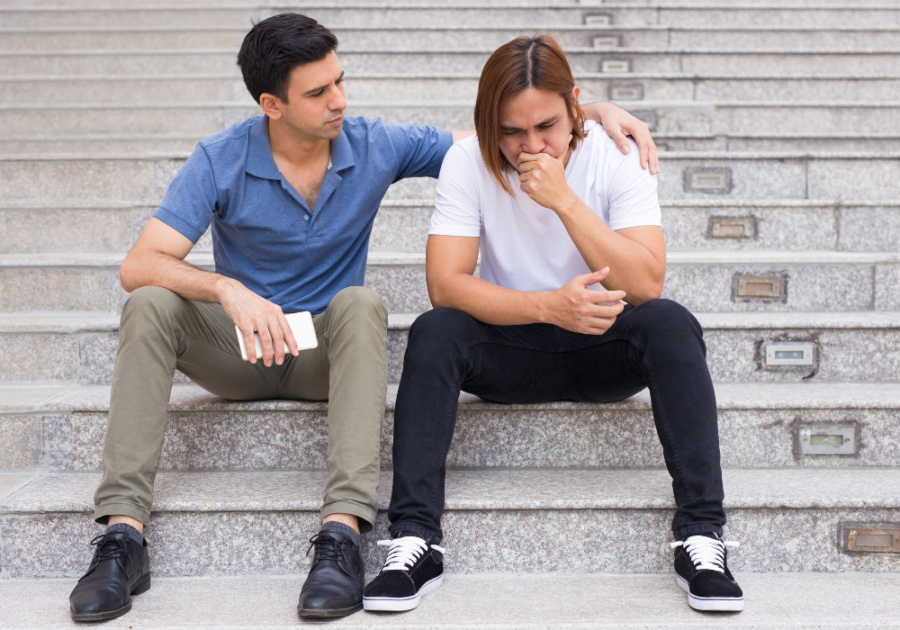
(401,604)
(141,587)
(721,604)
(325,613)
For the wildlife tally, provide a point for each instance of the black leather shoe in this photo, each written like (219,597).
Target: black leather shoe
(120,568)
(334,586)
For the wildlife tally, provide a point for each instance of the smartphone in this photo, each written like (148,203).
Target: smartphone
(302,328)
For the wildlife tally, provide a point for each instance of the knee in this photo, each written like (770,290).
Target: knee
(667,318)
(355,301)
(150,305)
(439,331)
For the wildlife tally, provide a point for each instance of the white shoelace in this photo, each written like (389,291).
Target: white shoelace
(706,553)
(404,552)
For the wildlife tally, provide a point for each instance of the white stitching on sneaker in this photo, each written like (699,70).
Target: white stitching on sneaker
(706,553)
(405,552)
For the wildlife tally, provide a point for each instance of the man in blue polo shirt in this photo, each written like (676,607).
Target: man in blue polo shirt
(291,197)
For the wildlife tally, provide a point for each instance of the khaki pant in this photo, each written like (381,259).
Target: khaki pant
(162,331)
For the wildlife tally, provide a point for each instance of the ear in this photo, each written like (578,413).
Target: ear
(271,105)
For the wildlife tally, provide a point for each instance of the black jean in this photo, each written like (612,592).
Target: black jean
(658,345)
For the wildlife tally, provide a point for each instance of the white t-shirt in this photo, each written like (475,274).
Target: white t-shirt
(525,246)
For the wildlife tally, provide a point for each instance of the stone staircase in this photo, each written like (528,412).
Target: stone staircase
(780,191)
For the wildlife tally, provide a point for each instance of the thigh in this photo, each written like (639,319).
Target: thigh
(306,376)
(514,364)
(209,354)
(601,368)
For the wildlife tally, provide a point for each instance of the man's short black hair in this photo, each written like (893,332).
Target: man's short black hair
(277,45)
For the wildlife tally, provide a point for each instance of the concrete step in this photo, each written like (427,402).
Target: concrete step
(753,142)
(861,346)
(445,87)
(701,280)
(249,522)
(53,180)
(806,119)
(778,62)
(628,602)
(62,427)
(519,15)
(451,36)
(402,226)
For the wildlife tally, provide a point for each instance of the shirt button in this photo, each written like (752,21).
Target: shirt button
(306,217)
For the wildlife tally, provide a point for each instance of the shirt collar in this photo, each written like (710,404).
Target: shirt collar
(261,164)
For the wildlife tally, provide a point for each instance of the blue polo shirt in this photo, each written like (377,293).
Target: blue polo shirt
(265,236)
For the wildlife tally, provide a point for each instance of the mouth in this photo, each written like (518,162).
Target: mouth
(337,122)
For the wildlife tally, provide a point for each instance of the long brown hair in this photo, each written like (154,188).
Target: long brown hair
(525,62)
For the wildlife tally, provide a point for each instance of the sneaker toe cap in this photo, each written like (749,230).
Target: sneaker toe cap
(714,584)
(391,584)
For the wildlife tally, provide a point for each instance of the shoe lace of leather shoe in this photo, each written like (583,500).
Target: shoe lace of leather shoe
(329,548)
(706,553)
(109,547)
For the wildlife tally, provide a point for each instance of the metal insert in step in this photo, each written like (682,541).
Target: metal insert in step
(828,439)
(768,288)
(634,92)
(607,41)
(733,227)
(615,65)
(707,180)
(598,20)
(790,353)
(873,539)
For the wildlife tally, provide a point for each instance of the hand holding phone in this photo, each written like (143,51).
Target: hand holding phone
(301,327)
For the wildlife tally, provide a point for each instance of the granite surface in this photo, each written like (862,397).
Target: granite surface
(20,442)
(32,230)
(97,357)
(31,397)
(869,228)
(887,287)
(56,359)
(484,489)
(486,541)
(757,422)
(848,339)
(61,181)
(532,602)
(52,289)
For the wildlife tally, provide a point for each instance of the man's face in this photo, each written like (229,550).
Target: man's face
(535,121)
(316,103)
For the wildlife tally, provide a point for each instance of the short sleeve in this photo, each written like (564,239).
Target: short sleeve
(457,211)
(633,199)
(191,199)
(419,149)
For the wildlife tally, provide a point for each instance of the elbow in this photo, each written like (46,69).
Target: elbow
(127,275)
(647,293)
(438,295)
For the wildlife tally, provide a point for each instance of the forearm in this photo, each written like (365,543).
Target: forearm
(149,268)
(632,267)
(488,302)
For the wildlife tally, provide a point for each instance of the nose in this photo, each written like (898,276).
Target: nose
(338,101)
(533,143)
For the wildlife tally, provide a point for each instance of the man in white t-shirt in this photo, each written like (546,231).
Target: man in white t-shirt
(555,210)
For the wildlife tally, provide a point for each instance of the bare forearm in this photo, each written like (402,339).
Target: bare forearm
(633,268)
(488,302)
(154,269)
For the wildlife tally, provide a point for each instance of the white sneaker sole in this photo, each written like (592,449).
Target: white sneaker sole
(724,604)
(400,604)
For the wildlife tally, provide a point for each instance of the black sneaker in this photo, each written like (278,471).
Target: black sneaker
(412,569)
(701,570)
